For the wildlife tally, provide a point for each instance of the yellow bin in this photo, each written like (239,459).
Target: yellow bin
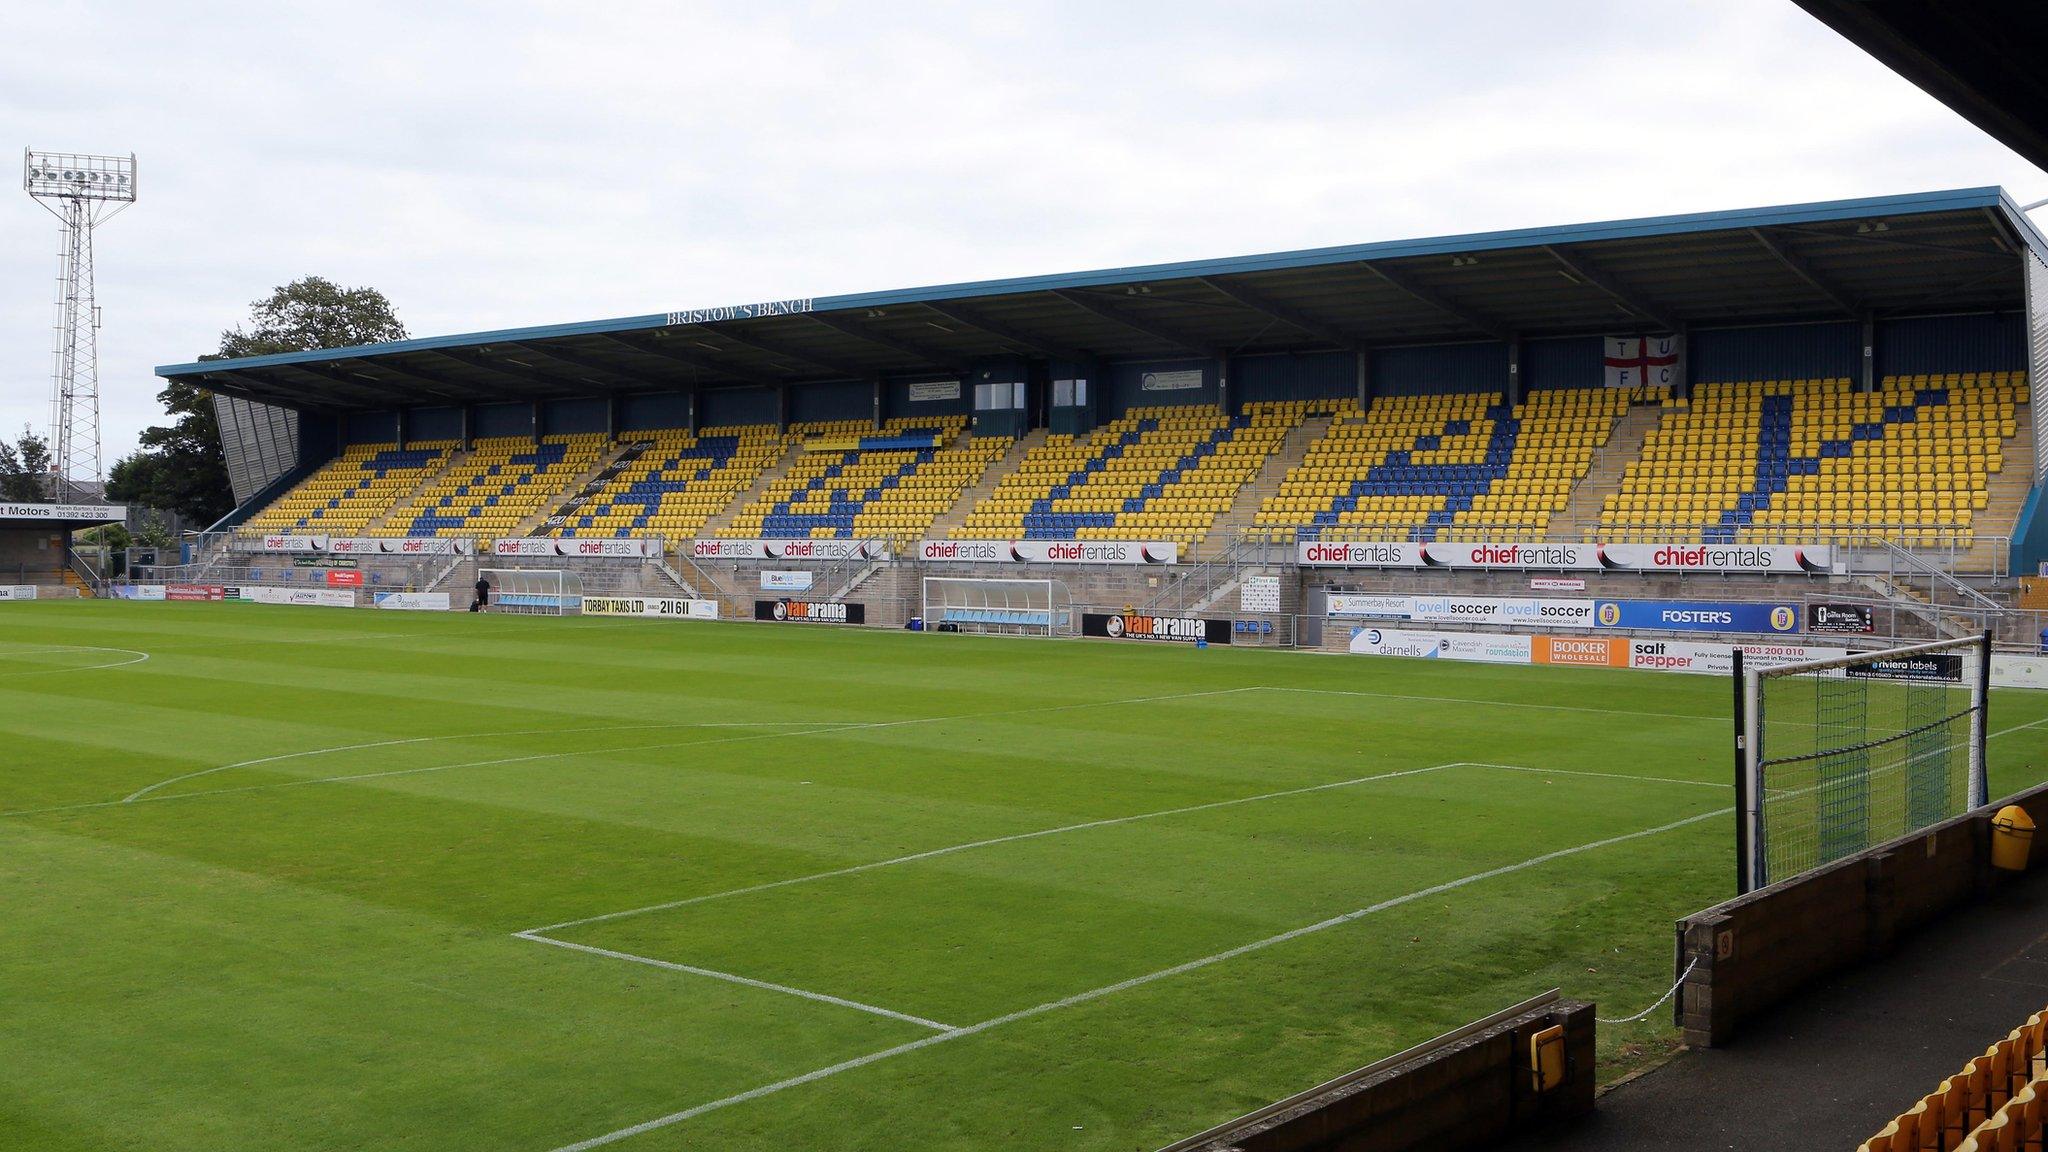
(2012,836)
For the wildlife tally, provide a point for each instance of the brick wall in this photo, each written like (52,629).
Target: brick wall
(1469,1094)
(1754,951)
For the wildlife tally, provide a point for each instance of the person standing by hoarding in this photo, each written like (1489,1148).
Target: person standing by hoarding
(483,594)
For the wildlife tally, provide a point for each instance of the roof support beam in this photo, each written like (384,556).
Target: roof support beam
(1005,332)
(588,364)
(379,391)
(1286,314)
(404,388)
(836,367)
(1944,293)
(1430,296)
(1146,326)
(702,362)
(548,384)
(1576,264)
(452,391)
(253,387)
(1803,269)
(1885,240)
(921,353)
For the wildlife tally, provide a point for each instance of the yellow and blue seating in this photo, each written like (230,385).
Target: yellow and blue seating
(678,482)
(504,481)
(345,494)
(1786,461)
(1444,467)
(1160,473)
(856,482)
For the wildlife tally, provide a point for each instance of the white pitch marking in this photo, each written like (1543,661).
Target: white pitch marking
(732,978)
(139,794)
(1600,775)
(630,748)
(1122,986)
(2017,728)
(972,844)
(46,649)
(1497,703)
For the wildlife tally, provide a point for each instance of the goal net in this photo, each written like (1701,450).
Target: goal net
(1025,607)
(1844,754)
(534,591)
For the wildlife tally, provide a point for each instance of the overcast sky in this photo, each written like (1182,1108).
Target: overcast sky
(497,164)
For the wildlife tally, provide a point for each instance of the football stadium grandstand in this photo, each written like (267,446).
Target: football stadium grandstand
(823,879)
(1760,437)
(1745,377)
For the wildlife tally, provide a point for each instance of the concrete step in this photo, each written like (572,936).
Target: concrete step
(1263,486)
(398,515)
(577,483)
(618,453)
(953,517)
(1581,516)
(769,475)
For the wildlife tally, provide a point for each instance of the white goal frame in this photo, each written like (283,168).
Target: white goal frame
(534,591)
(1752,756)
(999,605)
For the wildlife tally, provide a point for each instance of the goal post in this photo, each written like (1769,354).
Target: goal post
(1015,606)
(534,591)
(1839,755)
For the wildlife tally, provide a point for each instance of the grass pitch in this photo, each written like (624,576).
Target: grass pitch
(340,880)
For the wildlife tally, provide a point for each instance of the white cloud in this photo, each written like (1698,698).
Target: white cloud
(489,165)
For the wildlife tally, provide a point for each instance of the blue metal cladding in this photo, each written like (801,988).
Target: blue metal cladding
(841,400)
(568,417)
(1436,369)
(1306,376)
(654,410)
(1980,342)
(502,420)
(1126,385)
(433,424)
(719,407)
(1571,362)
(372,427)
(1777,352)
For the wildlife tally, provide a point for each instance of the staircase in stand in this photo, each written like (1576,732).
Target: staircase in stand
(1580,519)
(1250,498)
(582,482)
(1993,527)
(953,517)
(394,519)
(769,475)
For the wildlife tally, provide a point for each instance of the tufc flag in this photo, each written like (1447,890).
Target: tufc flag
(1633,360)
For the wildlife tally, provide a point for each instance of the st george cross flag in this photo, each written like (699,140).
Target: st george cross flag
(1633,360)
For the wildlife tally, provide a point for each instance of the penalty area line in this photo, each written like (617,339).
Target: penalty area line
(1080,998)
(733,978)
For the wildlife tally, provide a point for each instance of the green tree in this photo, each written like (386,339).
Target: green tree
(25,468)
(180,466)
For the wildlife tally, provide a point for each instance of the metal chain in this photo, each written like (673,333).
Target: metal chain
(1660,1000)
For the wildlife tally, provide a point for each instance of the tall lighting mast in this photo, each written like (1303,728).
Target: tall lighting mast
(82,192)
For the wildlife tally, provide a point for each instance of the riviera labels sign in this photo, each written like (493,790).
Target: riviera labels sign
(1049,551)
